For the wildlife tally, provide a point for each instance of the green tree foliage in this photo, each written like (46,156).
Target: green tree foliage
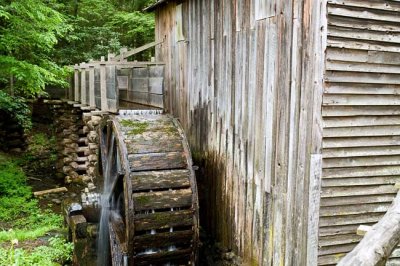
(103,26)
(17,108)
(38,38)
(29,30)
(135,29)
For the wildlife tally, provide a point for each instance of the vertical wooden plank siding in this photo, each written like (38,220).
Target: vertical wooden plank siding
(361,137)
(245,78)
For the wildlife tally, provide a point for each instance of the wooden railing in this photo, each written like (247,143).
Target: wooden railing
(115,83)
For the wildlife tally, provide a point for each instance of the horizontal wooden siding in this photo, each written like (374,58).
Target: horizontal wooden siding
(361,117)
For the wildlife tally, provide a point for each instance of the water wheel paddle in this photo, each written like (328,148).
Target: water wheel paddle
(150,189)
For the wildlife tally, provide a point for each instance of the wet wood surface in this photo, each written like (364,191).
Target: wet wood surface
(151,166)
(163,220)
(181,255)
(164,239)
(162,200)
(160,180)
(245,80)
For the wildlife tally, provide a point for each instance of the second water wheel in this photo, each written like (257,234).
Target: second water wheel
(150,190)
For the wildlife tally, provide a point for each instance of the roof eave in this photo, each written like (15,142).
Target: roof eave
(155,5)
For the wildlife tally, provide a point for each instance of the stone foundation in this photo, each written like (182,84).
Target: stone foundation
(82,233)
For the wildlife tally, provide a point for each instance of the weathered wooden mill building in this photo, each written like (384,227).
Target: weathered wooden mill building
(292,113)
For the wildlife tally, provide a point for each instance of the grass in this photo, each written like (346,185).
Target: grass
(56,253)
(22,219)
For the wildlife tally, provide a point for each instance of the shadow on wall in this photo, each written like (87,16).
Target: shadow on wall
(215,198)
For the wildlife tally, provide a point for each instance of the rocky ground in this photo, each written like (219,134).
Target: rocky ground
(214,254)
(39,166)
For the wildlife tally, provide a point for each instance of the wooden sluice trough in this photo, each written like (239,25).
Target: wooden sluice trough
(154,209)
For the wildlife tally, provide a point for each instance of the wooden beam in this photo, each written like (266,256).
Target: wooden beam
(49,191)
(122,53)
(379,242)
(136,50)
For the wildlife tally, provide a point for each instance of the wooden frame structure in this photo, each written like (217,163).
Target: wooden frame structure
(118,84)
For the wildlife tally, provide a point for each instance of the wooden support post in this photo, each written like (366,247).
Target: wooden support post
(313,208)
(83,83)
(92,101)
(76,83)
(122,52)
(111,57)
(103,87)
(112,88)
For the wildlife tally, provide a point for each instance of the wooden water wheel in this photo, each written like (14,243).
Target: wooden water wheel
(153,194)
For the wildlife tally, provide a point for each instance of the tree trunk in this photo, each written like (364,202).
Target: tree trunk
(377,244)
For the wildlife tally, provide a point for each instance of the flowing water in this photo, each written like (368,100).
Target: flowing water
(103,241)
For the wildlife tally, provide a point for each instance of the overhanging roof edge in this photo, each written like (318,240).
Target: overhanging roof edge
(160,3)
(155,5)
